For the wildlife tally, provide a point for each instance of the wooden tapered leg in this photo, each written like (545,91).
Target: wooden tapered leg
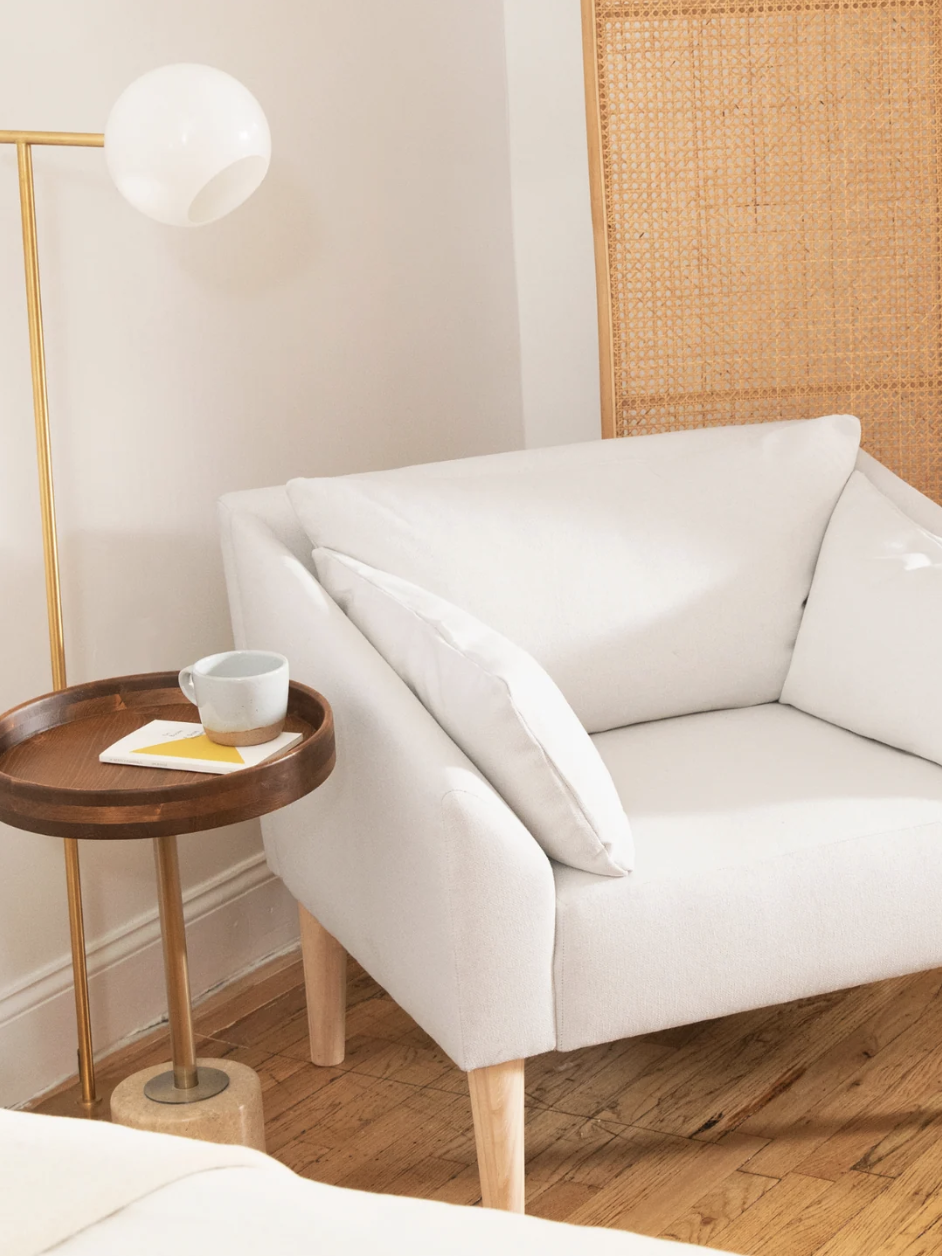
(497,1106)
(325,988)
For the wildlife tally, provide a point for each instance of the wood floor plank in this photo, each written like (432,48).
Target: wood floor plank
(302,1156)
(899,1006)
(594,1085)
(664,1174)
(765,1066)
(275,1018)
(289,1101)
(683,1093)
(464,1188)
(223,1007)
(772,1215)
(560,1201)
(908,1206)
(881,1103)
(927,1243)
(831,1136)
(452,1080)
(910,1138)
(565,1148)
(807,1231)
(425,1177)
(421,1125)
(718,1208)
(403,1061)
(340,1106)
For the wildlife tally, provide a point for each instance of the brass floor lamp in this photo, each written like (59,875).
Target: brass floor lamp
(184,144)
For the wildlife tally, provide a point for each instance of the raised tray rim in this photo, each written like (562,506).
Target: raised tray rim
(315,753)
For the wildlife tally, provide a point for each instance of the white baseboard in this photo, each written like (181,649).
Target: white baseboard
(235,920)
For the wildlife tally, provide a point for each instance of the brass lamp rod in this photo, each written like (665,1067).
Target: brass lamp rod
(62,139)
(24,141)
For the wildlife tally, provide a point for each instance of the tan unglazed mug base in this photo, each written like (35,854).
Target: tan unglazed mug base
(251,736)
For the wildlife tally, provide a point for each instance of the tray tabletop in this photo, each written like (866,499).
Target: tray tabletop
(51,780)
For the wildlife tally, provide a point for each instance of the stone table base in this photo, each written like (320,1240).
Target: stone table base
(233,1116)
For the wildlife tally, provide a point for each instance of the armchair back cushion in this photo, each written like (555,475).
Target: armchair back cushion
(650,577)
(868,652)
(499,706)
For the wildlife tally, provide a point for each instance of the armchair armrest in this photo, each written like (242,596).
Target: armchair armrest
(406,854)
(926,512)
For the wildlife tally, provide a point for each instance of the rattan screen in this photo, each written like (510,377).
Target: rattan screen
(767,216)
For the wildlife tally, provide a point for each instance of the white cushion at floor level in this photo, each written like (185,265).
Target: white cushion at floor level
(777,856)
(251,1212)
(104,1191)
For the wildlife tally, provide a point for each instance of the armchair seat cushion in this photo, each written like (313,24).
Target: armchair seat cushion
(776,856)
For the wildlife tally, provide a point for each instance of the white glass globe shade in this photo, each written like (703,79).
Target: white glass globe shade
(186,144)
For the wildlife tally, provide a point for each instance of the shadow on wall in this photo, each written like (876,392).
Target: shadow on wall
(138,603)
(22,624)
(268,241)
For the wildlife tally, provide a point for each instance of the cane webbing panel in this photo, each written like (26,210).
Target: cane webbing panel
(771,216)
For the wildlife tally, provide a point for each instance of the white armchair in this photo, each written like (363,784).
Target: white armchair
(776,855)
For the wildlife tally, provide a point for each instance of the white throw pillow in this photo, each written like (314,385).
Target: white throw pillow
(869,652)
(651,577)
(499,706)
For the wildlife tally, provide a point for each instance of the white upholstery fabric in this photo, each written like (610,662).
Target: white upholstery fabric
(406,854)
(869,651)
(58,1175)
(923,510)
(244,1212)
(499,706)
(650,577)
(262,1210)
(777,856)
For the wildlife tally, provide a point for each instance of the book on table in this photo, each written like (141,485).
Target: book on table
(186,748)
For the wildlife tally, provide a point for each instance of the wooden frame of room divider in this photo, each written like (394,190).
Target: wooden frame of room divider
(766,205)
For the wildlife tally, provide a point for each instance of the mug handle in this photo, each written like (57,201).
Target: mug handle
(186,684)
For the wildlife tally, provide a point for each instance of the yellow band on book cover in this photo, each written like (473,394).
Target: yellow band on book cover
(185,747)
(194,748)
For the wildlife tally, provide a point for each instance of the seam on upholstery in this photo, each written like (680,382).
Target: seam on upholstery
(556,1002)
(559,1008)
(451,920)
(874,741)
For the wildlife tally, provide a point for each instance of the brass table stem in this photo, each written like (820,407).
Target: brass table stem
(173,933)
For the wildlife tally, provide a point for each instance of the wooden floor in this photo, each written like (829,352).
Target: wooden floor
(815,1127)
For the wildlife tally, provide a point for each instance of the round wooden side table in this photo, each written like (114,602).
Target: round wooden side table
(51,781)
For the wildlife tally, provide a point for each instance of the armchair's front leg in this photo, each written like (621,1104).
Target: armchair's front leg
(325,988)
(497,1105)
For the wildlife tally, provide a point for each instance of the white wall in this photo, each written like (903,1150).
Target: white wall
(552,222)
(358,312)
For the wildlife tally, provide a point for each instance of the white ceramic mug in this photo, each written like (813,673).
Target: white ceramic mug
(242,695)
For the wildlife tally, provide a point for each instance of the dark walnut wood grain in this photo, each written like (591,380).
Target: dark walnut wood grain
(52,782)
